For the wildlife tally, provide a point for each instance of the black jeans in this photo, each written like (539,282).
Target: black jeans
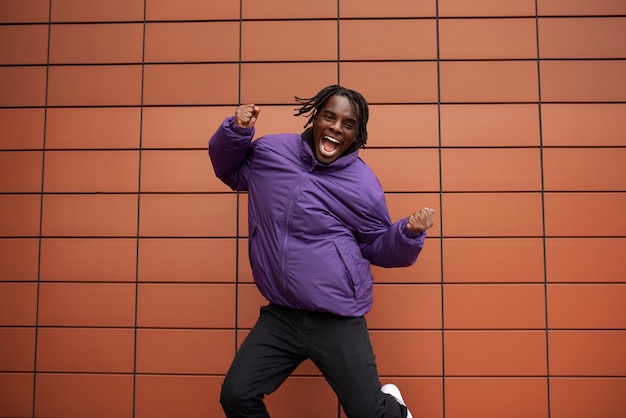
(282,338)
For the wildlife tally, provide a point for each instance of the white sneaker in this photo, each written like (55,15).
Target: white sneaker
(393,390)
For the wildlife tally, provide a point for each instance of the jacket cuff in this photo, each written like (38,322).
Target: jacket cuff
(230,122)
(408,233)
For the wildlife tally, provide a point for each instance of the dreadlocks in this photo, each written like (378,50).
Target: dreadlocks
(310,107)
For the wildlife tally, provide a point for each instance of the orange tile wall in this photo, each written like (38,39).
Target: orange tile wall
(124,282)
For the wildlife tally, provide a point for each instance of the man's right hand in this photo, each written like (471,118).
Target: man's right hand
(246,115)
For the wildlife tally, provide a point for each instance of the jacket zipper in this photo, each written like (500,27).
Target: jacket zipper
(292,202)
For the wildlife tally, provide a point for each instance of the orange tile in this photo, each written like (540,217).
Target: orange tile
(22,86)
(580,7)
(274,40)
(491,170)
(495,353)
(20,171)
(397,170)
(89,128)
(169,396)
(111,11)
(91,171)
(427,269)
(273,119)
(587,306)
(405,307)
(211,215)
(186,260)
(24,44)
(18,304)
(496,397)
(494,306)
(485,125)
(587,353)
(17,11)
(187,42)
(492,215)
(20,215)
(184,351)
(305,397)
(17,393)
(563,211)
(586,259)
(114,85)
(582,37)
(278,83)
(18,259)
(182,127)
(88,259)
(388,39)
(583,81)
(106,215)
(21,129)
(485,260)
(597,169)
(484,81)
(85,350)
(389,8)
(17,351)
(249,302)
(407,353)
(84,395)
(582,398)
(197,84)
(87,304)
(487,38)
(244,271)
(186,305)
(486,8)
(179,171)
(241,200)
(387,126)
(402,205)
(96,43)
(191,10)
(583,124)
(286,9)
(404,82)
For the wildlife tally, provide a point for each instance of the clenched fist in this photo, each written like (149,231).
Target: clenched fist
(246,115)
(421,220)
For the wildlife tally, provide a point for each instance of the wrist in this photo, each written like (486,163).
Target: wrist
(410,232)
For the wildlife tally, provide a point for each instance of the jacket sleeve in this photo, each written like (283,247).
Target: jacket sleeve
(230,151)
(391,245)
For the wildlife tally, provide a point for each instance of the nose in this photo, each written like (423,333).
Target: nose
(336,126)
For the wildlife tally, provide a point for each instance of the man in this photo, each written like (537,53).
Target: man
(317,221)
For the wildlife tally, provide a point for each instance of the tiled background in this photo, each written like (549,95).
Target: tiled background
(124,281)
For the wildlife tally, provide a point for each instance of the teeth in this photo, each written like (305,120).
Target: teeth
(333,140)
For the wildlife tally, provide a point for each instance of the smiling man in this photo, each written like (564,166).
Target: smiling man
(318,220)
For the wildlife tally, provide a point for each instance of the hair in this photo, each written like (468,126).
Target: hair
(310,107)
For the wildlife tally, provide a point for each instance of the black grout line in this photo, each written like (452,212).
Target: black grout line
(41,209)
(441,206)
(137,282)
(543,209)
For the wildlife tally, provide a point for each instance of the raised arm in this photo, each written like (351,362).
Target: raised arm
(229,147)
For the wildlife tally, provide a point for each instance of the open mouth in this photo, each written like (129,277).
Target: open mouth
(329,146)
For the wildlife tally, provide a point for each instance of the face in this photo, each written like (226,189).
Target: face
(334,129)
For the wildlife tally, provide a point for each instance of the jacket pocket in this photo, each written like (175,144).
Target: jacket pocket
(357,270)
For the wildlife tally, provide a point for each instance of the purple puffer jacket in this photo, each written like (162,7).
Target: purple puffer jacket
(314,229)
